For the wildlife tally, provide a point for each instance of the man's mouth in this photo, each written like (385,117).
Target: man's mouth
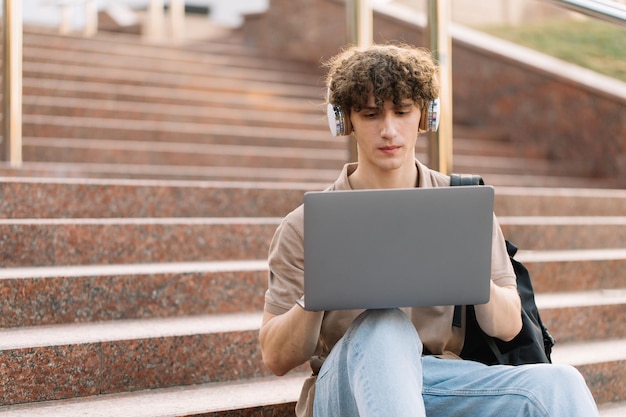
(389,149)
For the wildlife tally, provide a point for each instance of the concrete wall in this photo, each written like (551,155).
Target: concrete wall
(574,114)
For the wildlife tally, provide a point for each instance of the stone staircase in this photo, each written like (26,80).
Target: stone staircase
(134,236)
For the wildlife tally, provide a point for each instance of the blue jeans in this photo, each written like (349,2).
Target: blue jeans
(377,369)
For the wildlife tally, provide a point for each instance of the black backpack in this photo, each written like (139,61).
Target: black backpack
(534,342)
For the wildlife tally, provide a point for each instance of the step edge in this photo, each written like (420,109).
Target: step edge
(612,409)
(578,353)
(562,220)
(195,399)
(209,221)
(602,297)
(131,329)
(130,182)
(132,269)
(571,255)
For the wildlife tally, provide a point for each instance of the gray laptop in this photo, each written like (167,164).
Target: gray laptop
(397,247)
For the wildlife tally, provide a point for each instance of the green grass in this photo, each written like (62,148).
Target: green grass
(599,46)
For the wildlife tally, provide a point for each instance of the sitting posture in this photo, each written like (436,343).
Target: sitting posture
(399,362)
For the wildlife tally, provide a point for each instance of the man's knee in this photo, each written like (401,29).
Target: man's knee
(559,376)
(562,389)
(386,326)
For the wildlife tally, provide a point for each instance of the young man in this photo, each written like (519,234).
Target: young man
(399,362)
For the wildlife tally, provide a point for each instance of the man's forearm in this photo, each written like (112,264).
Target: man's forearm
(289,339)
(501,317)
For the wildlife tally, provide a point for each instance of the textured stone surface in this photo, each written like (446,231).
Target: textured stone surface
(89,298)
(605,380)
(78,370)
(579,323)
(576,275)
(96,241)
(90,198)
(563,233)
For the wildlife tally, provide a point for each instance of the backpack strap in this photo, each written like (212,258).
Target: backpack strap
(455,181)
(466,179)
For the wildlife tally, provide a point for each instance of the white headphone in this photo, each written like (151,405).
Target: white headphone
(339,122)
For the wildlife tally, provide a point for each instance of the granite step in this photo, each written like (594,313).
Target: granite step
(165,95)
(138,110)
(109,198)
(46,126)
(575,270)
(168,172)
(127,355)
(49,197)
(252,175)
(601,362)
(204,82)
(41,242)
(234,68)
(565,232)
(61,242)
(515,165)
(132,47)
(613,409)
(585,315)
(165,153)
(554,181)
(125,150)
(538,201)
(267,396)
(36,296)
(40,296)
(309,117)
(133,152)
(123,356)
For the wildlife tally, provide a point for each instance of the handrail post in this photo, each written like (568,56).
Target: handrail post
(440,142)
(359,22)
(359,25)
(91,18)
(155,20)
(177,19)
(11,149)
(65,24)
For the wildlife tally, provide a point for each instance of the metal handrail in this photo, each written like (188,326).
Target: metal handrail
(609,11)
(11,149)
(359,25)
(440,43)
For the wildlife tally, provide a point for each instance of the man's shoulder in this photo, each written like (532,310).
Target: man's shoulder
(435,178)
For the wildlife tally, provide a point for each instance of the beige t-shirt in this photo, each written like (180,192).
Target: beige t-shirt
(286,285)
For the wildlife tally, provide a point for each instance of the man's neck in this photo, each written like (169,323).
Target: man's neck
(405,177)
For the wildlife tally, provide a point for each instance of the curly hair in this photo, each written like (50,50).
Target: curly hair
(390,72)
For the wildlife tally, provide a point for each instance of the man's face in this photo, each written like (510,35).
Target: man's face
(386,137)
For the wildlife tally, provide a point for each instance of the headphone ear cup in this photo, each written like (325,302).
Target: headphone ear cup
(430,116)
(338,121)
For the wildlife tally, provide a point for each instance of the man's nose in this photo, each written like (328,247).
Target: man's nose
(388,127)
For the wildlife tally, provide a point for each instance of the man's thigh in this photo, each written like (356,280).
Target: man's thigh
(461,388)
